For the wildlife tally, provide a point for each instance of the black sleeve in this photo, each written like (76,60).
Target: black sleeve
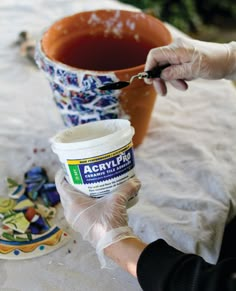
(163,268)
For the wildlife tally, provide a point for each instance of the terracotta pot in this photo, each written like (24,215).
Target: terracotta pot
(84,51)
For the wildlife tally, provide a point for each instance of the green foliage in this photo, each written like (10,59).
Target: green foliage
(188,15)
(213,10)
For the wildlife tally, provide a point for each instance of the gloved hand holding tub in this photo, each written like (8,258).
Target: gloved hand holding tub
(102,221)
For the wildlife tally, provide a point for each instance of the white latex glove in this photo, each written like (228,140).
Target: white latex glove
(191,59)
(102,221)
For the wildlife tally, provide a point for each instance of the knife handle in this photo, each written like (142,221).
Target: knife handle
(156,72)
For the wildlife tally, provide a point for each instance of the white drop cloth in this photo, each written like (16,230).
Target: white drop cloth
(187,162)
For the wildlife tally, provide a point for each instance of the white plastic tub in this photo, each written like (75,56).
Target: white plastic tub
(98,156)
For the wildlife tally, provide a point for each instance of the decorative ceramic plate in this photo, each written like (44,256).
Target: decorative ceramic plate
(25,228)
(40,245)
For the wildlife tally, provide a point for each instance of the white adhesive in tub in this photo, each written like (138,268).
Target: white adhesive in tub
(98,156)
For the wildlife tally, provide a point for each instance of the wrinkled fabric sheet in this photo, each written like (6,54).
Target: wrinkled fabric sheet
(187,162)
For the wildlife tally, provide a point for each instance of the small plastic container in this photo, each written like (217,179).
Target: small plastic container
(96,157)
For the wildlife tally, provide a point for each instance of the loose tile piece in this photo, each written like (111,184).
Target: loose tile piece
(46,212)
(23,203)
(15,190)
(17,221)
(6,205)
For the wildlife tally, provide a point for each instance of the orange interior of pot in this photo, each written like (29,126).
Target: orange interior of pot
(111,40)
(109,35)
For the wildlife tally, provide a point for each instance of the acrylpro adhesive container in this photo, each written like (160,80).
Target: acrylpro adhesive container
(97,156)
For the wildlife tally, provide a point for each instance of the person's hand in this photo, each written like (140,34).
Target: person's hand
(101,221)
(190,59)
